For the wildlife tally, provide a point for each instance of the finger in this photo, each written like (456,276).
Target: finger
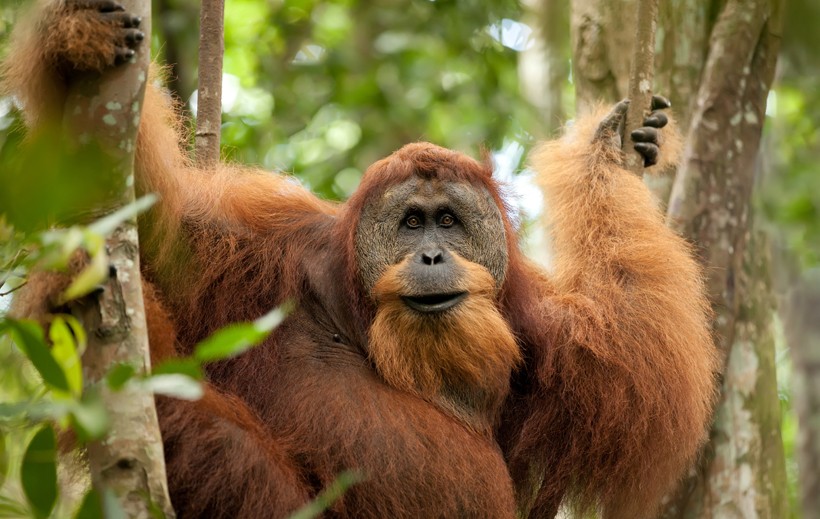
(649,152)
(122,55)
(126,20)
(660,103)
(656,119)
(645,134)
(613,121)
(103,6)
(134,36)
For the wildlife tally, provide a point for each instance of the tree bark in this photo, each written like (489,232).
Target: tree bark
(681,48)
(128,461)
(600,51)
(741,470)
(641,74)
(682,43)
(710,198)
(744,474)
(209,98)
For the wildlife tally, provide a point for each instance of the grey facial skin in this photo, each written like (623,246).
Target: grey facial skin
(428,219)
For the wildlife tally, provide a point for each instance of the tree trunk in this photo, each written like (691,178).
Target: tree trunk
(641,75)
(602,43)
(803,336)
(681,46)
(129,460)
(742,470)
(544,67)
(710,199)
(742,473)
(602,38)
(171,20)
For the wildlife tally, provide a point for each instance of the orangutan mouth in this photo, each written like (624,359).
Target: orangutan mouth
(431,303)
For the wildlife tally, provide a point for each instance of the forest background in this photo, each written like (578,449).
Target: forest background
(322,89)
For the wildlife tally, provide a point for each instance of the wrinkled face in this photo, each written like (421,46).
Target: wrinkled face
(425,224)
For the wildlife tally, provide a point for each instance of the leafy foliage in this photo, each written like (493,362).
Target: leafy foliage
(791,197)
(323,89)
(61,399)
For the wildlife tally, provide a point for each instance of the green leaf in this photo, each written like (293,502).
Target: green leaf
(334,491)
(228,342)
(90,277)
(106,225)
(175,385)
(119,375)
(38,473)
(29,338)
(89,418)
(95,508)
(11,508)
(112,509)
(12,411)
(35,410)
(65,351)
(238,338)
(91,507)
(188,367)
(60,245)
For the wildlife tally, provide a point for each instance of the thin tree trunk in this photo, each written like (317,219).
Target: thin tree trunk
(179,82)
(544,67)
(129,460)
(602,36)
(209,98)
(601,49)
(641,74)
(682,43)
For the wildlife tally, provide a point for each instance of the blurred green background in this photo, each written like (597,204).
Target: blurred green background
(322,89)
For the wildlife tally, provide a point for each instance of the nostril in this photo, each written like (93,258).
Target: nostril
(432,258)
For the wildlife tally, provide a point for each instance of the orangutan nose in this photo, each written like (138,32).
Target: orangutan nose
(432,257)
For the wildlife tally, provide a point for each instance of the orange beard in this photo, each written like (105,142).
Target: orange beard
(460,359)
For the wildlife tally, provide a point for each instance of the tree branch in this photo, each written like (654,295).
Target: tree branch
(209,98)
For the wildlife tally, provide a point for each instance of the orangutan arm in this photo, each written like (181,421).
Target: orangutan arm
(212,229)
(623,363)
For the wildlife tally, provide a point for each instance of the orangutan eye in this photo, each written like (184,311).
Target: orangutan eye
(446,220)
(413,221)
